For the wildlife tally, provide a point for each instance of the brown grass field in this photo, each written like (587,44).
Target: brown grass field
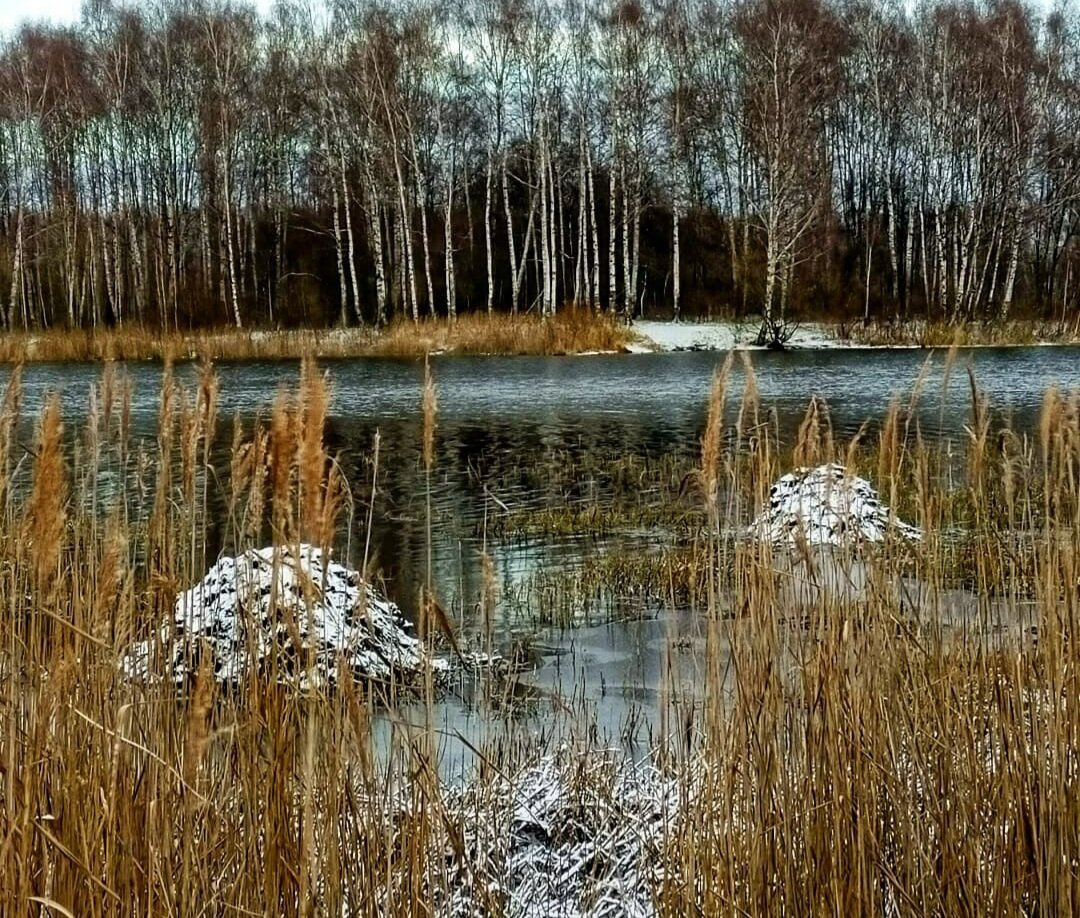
(571,331)
(852,757)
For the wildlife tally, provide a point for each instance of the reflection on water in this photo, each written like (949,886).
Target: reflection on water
(623,683)
(502,419)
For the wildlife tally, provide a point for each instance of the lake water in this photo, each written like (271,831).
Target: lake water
(499,417)
(648,400)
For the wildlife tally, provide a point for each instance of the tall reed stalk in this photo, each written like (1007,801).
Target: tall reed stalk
(906,747)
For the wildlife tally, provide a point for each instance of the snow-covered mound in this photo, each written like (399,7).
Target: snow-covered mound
(266,609)
(826,506)
(724,336)
(571,835)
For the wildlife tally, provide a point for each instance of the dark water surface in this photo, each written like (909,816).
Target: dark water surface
(653,400)
(499,418)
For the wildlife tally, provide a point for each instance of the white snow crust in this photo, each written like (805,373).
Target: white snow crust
(725,336)
(827,505)
(265,610)
(570,836)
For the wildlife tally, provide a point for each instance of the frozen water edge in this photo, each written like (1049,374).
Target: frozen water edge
(664,336)
(726,336)
(268,611)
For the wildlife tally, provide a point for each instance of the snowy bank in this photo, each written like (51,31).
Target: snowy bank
(826,506)
(266,611)
(725,336)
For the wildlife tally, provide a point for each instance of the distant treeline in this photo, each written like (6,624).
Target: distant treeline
(190,163)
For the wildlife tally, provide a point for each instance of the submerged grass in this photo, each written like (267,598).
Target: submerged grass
(571,331)
(612,585)
(849,753)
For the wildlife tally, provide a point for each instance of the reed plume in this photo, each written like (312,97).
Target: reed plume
(9,416)
(46,511)
(429,409)
(281,458)
(712,439)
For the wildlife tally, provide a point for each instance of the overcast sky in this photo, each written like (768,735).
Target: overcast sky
(14,13)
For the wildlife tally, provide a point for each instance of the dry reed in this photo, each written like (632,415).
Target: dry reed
(940,334)
(856,752)
(571,331)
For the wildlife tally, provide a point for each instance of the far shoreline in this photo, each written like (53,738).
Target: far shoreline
(740,334)
(570,333)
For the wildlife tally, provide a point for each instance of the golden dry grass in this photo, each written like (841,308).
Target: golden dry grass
(851,756)
(571,331)
(922,333)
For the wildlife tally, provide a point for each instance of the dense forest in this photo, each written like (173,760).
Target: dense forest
(193,163)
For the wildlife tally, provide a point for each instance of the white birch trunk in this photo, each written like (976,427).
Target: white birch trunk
(545,238)
(351,244)
(405,228)
(929,284)
(593,227)
(515,283)
(343,316)
(376,232)
(451,295)
(1010,274)
(635,256)
(627,204)
(17,291)
(613,243)
(581,256)
(890,202)
(111,301)
(908,266)
(676,261)
(523,263)
(230,254)
(487,236)
(421,202)
(138,268)
(558,239)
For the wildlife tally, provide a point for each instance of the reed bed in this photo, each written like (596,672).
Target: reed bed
(854,752)
(572,331)
(941,334)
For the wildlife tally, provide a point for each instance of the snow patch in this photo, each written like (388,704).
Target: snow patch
(265,610)
(826,506)
(726,336)
(569,836)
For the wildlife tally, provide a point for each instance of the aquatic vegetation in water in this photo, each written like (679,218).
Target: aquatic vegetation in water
(907,764)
